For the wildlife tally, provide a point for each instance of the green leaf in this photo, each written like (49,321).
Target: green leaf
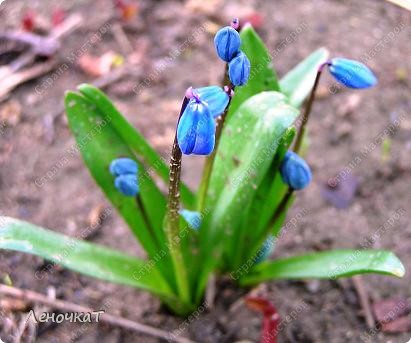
(326,265)
(247,147)
(262,75)
(86,258)
(133,138)
(297,83)
(266,200)
(99,144)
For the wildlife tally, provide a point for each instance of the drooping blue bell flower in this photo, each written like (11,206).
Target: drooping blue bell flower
(193,218)
(351,73)
(215,97)
(295,172)
(123,165)
(227,43)
(266,250)
(127,184)
(196,129)
(239,69)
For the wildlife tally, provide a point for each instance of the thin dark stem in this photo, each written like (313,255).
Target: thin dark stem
(306,115)
(172,229)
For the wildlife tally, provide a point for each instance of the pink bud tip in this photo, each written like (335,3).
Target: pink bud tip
(235,23)
(229,91)
(189,93)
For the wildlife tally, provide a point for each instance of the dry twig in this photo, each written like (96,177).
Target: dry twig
(66,306)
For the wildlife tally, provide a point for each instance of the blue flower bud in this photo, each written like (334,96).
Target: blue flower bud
(196,129)
(215,97)
(192,218)
(266,250)
(351,73)
(127,184)
(295,172)
(121,166)
(239,69)
(227,43)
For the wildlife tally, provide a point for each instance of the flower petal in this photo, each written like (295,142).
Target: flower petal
(193,218)
(239,69)
(351,73)
(123,165)
(196,129)
(295,172)
(127,184)
(227,43)
(215,97)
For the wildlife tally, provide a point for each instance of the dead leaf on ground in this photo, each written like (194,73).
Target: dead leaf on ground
(389,309)
(99,66)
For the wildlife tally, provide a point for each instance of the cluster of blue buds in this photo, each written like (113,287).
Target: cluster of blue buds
(295,172)
(196,128)
(227,42)
(352,74)
(125,172)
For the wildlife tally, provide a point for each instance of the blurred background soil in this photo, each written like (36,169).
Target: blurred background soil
(41,181)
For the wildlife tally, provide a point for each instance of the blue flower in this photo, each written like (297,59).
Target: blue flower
(215,97)
(127,184)
(227,43)
(192,218)
(196,129)
(124,165)
(266,250)
(239,69)
(295,172)
(351,73)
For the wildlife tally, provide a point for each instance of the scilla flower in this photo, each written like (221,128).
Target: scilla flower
(192,218)
(227,43)
(196,128)
(125,170)
(239,69)
(123,165)
(127,184)
(351,73)
(215,97)
(295,172)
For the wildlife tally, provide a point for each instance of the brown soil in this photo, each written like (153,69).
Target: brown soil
(328,311)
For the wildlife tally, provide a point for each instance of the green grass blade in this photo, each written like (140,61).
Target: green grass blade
(297,83)
(326,265)
(84,257)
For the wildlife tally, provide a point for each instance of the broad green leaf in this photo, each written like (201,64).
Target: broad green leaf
(247,147)
(297,83)
(262,75)
(326,265)
(99,144)
(133,138)
(84,257)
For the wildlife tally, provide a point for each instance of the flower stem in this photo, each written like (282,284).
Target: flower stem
(172,218)
(308,107)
